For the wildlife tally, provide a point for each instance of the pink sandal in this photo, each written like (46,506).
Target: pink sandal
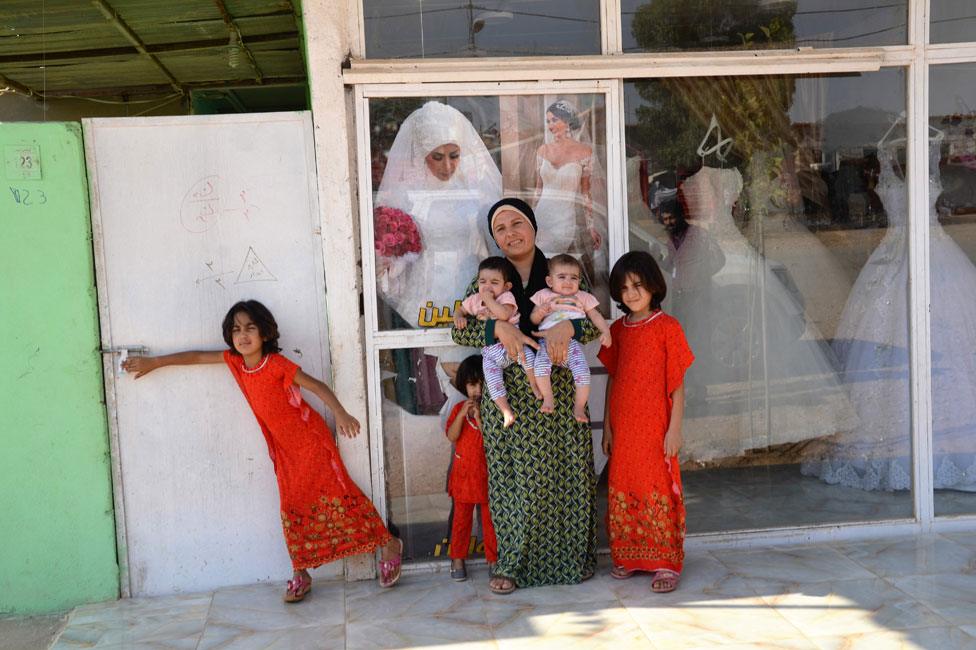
(390,569)
(297,589)
(664,581)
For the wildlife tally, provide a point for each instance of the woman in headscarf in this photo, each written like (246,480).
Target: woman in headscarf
(541,484)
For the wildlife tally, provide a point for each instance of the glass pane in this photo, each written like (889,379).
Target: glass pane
(663,25)
(439,164)
(953,21)
(952,254)
(781,229)
(417,396)
(456,28)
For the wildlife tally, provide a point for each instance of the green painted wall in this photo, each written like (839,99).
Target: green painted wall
(57,526)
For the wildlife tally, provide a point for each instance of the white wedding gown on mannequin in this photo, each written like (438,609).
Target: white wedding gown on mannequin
(872,343)
(770,377)
(558,204)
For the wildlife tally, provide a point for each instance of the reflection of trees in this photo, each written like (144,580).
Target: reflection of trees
(754,111)
(661,25)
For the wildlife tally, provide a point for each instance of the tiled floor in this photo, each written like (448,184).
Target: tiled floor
(915,592)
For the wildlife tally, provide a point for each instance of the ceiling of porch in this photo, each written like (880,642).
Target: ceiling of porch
(123,48)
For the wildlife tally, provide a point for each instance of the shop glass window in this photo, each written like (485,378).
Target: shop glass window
(460,28)
(952,255)
(666,25)
(953,21)
(417,396)
(438,164)
(781,225)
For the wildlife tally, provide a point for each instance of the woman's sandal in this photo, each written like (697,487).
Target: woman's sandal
(664,581)
(390,569)
(298,587)
(622,573)
(459,574)
(494,587)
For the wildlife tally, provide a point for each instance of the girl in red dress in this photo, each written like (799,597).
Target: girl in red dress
(324,514)
(468,482)
(642,426)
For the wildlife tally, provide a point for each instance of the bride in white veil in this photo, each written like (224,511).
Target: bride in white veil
(440,173)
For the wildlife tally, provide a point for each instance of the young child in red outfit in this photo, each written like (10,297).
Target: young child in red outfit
(468,482)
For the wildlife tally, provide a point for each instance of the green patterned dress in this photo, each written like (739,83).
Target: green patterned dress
(541,482)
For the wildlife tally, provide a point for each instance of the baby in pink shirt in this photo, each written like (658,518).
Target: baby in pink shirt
(494,300)
(563,300)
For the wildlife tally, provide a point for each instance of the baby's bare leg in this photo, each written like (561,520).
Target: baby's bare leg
(529,368)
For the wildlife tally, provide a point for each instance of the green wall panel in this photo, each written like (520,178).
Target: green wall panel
(57,525)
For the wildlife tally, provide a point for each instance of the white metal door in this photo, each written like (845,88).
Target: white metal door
(192,214)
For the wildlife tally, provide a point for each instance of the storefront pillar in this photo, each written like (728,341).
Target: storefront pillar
(331,34)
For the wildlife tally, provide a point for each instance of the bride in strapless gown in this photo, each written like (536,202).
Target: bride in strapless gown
(769,376)
(872,343)
(563,186)
(558,204)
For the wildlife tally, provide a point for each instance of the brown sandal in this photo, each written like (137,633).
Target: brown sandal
(509,588)
(297,589)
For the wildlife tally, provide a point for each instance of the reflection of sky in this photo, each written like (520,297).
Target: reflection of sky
(953,21)
(412,28)
(953,89)
(840,22)
(855,107)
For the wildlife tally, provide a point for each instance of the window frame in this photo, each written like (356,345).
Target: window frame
(607,71)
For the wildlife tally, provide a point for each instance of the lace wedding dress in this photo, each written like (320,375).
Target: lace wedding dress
(769,376)
(558,204)
(872,343)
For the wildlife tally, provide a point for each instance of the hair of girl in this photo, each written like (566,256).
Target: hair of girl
(260,316)
(470,371)
(641,265)
(566,112)
(500,264)
(564,259)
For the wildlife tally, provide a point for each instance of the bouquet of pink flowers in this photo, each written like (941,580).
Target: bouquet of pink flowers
(397,243)
(395,232)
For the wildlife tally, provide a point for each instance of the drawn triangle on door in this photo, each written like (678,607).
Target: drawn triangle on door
(254,270)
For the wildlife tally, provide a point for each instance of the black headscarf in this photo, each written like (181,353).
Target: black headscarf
(523,295)
(512,203)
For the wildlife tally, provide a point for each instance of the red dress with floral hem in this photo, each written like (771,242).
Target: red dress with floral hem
(324,514)
(646,514)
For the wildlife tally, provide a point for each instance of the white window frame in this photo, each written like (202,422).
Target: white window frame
(378,340)
(533,75)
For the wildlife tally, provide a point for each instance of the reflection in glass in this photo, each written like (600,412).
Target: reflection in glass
(761,198)
(952,236)
(662,25)
(438,165)
(463,28)
(952,21)
(416,399)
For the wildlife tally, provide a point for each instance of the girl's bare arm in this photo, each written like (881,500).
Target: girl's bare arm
(454,431)
(673,439)
(144,365)
(347,425)
(607,443)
